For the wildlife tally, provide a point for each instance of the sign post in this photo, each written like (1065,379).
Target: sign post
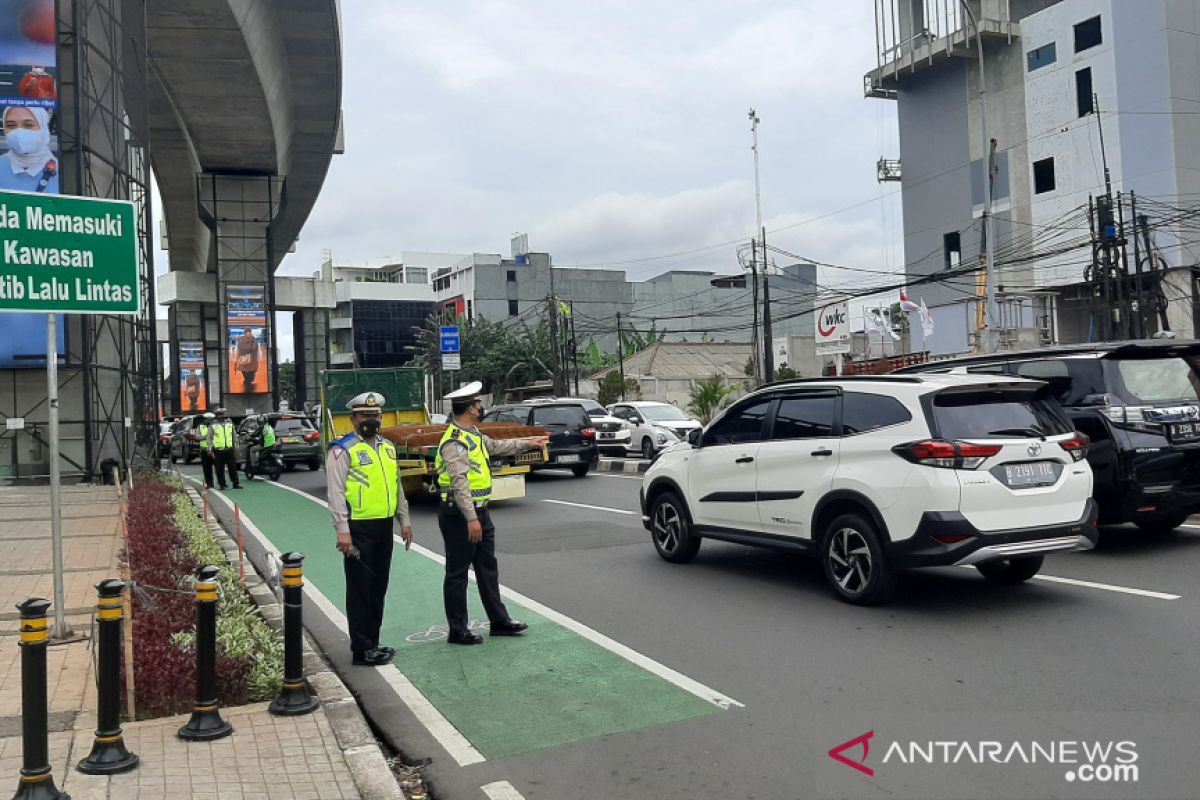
(451,343)
(65,254)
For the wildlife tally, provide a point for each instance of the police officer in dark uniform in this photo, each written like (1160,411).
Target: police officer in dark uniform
(365,496)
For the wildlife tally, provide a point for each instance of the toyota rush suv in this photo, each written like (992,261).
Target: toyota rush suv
(1139,405)
(880,473)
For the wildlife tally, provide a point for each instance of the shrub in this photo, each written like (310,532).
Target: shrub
(166,542)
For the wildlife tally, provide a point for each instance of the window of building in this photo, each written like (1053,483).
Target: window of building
(1088,34)
(952,249)
(512,308)
(1083,92)
(512,276)
(1043,176)
(1041,57)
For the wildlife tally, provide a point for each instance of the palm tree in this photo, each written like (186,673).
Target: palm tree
(707,395)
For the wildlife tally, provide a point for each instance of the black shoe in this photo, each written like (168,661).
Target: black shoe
(223,487)
(464,637)
(383,648)
(237,486)
(510,627)
(372,658)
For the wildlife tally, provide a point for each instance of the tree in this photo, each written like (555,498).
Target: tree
(610,389)
(785,373)
(707,395)
(503,356)
(287,383)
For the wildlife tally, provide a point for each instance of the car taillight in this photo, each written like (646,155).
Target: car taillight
(191,437)
(947,455)
(312,436)
(588,433)
(1077,446)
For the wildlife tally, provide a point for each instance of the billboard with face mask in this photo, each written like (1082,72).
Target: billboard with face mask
(29,149)
(246,324)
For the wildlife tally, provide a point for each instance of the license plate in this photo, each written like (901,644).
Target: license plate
(1183,432)
(604,435)
(566,459)
(1036,473)
(291,439)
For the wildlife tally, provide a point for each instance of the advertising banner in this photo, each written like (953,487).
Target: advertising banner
(193,386)
(246,326)
(28,86)
(833,329)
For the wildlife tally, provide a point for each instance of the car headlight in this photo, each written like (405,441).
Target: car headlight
(662,438)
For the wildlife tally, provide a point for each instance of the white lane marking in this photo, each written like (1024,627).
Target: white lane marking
(689,685)
(457,745)
(585,505)
(1108,587)
(618,476)
(501,790)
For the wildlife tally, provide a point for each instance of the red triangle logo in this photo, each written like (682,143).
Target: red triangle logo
(861,764)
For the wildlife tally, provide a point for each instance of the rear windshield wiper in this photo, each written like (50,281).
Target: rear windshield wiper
(1030,431)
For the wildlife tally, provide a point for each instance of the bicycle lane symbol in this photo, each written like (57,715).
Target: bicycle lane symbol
(438,633)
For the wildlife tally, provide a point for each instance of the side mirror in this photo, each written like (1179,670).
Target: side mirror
(694,436)
(636,420)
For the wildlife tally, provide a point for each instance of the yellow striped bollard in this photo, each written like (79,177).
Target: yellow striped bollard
(296,697)
(206,721)
(36,781)
(109,754)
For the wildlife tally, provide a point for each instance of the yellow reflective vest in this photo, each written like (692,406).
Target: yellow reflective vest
(204,436)
(371,489)
(479,476)
(222,435)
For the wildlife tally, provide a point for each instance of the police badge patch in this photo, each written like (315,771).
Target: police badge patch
(363,458)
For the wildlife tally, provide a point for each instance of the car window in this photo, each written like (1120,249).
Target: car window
(593,408)
(804,417)
(562,416)
(664,413)
(510,415)
(1157,380)
(293,425)
(996,415)
(740,424)
(867,412)
(1070,379)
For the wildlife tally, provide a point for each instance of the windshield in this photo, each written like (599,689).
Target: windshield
(1158,380)
(999,415)
(293,425)
(563,416)
(664,414)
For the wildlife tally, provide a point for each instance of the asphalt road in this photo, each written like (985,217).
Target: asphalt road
(1111,652)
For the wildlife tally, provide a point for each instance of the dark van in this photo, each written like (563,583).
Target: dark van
(1138,402)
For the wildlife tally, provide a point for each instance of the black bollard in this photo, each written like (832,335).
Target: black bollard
(206,722)
(36,781)
(109,754)
(296,697)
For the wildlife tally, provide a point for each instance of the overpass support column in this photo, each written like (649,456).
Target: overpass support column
(310,330)
(239,210)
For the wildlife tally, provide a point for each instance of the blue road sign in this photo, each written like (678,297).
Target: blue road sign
(449,338)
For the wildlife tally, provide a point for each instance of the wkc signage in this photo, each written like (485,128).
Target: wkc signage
(72,254)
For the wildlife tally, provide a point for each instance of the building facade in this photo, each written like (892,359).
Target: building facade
(1072,87)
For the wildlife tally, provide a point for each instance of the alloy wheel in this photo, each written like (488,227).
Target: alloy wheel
(668,526)
(850,560)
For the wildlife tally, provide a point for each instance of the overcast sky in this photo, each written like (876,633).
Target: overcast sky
(609,131)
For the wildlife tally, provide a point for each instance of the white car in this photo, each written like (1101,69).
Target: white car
(654,426)
(878,473)
(612,434)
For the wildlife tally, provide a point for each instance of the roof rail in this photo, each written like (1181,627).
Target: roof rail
(887,378)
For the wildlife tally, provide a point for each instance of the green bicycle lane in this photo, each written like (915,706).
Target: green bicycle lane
(513,694)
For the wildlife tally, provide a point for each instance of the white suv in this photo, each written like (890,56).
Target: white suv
(654,425)
(879,473)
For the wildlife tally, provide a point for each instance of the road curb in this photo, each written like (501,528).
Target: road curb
(626,465)
(373,776)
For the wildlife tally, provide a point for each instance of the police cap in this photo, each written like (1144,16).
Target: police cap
(466,392)
(366,403)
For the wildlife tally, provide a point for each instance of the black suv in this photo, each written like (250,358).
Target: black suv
(1138,402)
(299,439)
(572,437)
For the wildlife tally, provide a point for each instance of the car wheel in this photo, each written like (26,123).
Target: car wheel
(854,561)
(581,470)
(671,529)
(647,448)
(1010,571)
(1163,524)
(314,465)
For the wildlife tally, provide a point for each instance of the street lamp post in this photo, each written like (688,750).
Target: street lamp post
(768,357)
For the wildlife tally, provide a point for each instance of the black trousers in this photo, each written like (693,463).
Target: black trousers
(367,580)
(226,461)
(206,464)
(461,555)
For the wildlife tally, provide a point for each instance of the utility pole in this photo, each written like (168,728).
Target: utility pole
(1106,226)
(768,357)
(574,347)
(555,353)
(621,356)
(1139,288)
(1160,305)
(984,341)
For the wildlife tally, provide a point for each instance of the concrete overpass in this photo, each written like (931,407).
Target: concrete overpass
(244,118)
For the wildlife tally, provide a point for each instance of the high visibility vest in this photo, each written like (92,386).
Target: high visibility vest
(268,434)
(371,489)
(479,476)
(222,435)
(204,436)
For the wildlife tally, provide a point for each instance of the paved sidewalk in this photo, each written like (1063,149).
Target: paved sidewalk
(269,757)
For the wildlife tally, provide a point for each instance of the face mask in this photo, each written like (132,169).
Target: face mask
(368,428)
(481,409)
(24,142)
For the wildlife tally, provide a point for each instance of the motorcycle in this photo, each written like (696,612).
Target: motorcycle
(265,461)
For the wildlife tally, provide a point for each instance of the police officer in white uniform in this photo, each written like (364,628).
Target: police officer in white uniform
(365,496)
